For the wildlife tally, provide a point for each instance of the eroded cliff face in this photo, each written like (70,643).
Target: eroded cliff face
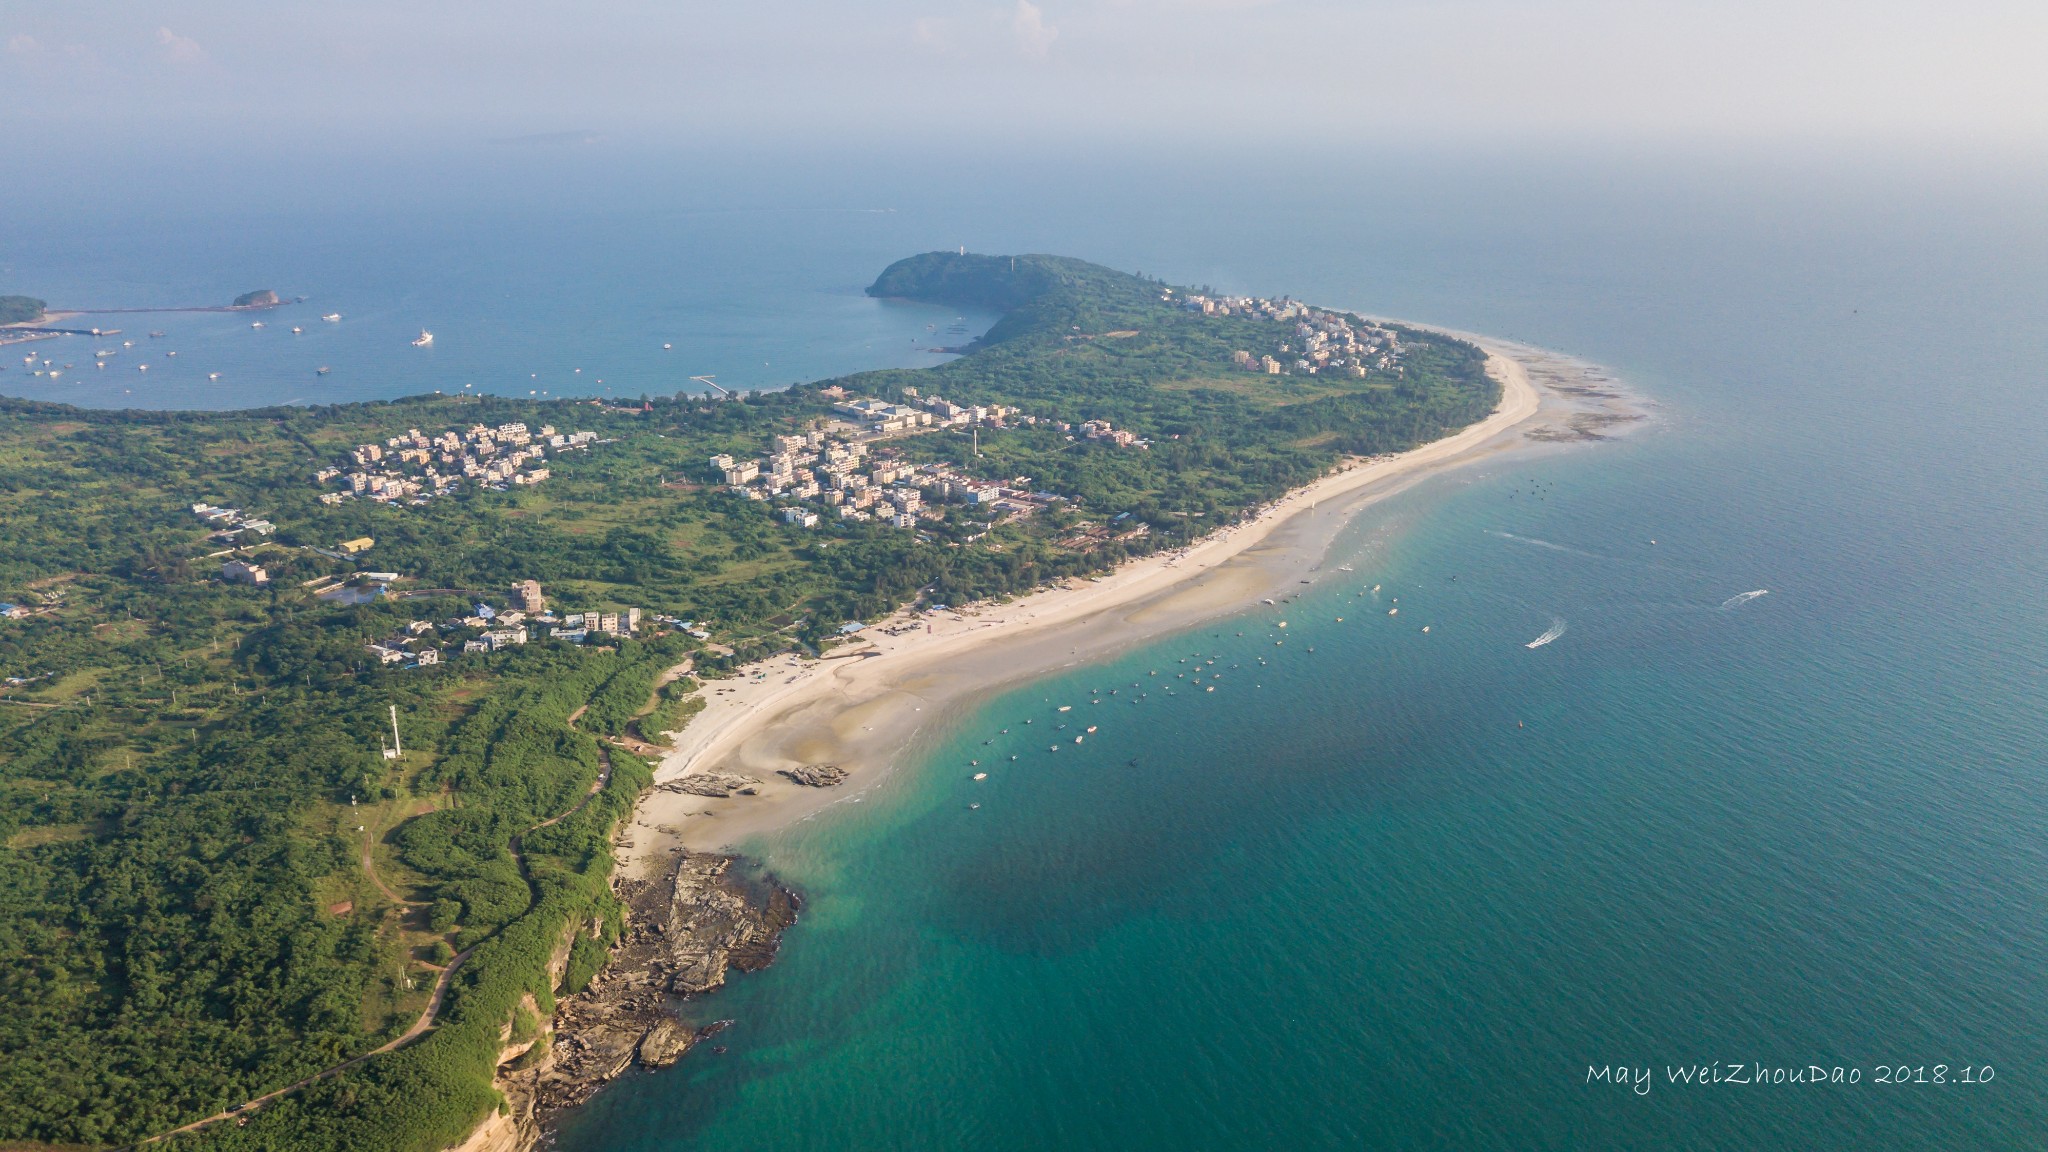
(703,918)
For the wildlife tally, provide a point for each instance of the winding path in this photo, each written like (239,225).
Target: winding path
(428,1016)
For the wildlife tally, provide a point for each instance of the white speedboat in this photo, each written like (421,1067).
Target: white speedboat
(426,339)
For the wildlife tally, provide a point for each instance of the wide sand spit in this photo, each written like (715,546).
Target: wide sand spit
(876,703)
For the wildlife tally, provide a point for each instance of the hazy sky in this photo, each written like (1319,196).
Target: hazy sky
(1237,70)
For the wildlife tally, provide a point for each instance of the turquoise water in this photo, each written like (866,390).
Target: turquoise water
(1402,891)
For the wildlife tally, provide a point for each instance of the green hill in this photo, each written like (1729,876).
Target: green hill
(20,309)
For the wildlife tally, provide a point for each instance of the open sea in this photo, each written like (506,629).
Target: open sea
(1404,891)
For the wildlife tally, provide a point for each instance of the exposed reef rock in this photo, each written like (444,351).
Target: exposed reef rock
(815,775)
(685,931)
(711,784)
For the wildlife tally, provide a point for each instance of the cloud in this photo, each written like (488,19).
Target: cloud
(1034,35)
(22,44)
(181,49)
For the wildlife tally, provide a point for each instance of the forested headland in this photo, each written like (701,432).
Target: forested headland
(212,880)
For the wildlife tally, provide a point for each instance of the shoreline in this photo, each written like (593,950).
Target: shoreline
(865,707)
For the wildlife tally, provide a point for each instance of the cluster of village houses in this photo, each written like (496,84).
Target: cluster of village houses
(415,467)
(831,467)
(495,629)
(1323,341)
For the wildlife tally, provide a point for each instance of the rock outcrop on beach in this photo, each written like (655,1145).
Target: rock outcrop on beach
(685,931)
(711,784)
(816,775)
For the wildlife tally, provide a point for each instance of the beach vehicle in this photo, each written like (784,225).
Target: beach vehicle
(426,339)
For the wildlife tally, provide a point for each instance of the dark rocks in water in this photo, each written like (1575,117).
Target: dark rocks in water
(665,1043)
(816,775)
(685,931)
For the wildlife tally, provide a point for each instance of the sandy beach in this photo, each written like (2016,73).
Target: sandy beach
(868,705)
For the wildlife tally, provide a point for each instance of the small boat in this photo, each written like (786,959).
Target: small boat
(1375,588)
(1425,627)
(1266,601)
(1344,568)
(142,367)
(255,323)
(332,317)
(170,353)
(981,775)
(970,806)
(426,339)
(1091,728)
(213,375)
(156,335)
(296,330)
(1078,739)
(1393,611)
(1066,707)
(322,370)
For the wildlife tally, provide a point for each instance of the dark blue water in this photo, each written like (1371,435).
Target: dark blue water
(1401,892)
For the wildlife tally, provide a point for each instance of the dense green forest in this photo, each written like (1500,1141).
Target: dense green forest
(20,309)
(213,882)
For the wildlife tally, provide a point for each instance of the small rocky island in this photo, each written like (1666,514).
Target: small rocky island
(261,298)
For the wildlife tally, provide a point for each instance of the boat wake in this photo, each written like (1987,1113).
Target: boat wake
(1555,630)
(1536,542)
(1746,597)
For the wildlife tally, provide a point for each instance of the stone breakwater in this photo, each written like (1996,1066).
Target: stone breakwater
(685,930)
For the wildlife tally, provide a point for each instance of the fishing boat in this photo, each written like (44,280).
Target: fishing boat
(426,339)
